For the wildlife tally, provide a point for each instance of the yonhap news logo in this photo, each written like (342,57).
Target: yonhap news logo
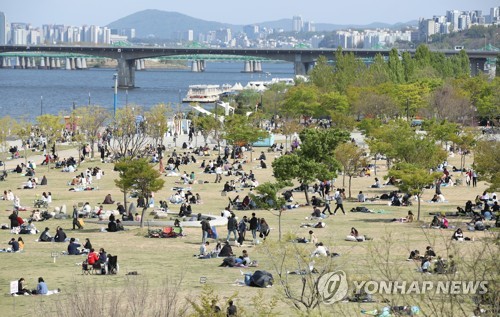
(334,287)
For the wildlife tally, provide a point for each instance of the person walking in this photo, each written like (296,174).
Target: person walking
(327,205)
(340,203)
(254,223)
(76,223)
(232,225)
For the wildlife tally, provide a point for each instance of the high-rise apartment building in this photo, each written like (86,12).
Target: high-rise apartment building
(3,29)
(297,23)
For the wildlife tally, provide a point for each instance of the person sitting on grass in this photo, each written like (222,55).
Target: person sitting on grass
(426,265)
(320,250)
(42,289)
(355,236)
(435,223)
(444,223)
(73,247)
(414,255)
(14,245)
(45,236)
(458,235)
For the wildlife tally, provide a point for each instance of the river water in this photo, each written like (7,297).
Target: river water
(29,93)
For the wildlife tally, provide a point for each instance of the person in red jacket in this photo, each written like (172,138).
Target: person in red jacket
(93,257)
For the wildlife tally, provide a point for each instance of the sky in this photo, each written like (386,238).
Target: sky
(103,12)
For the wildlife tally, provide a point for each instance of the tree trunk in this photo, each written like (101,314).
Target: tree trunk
(350,178)
(375,168)
(343,178)
(279,224)
(125,201)
(306,193)
(462,164)
(418,208)
(142,215)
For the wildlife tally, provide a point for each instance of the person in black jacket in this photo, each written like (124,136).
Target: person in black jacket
(60,235)
(13,220)
(232,226)
(254,223)
(205,230)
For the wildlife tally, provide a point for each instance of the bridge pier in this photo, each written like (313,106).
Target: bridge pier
(198,66)
(248,68)
(477,66)
(58,63)
(84,63)
(126,73)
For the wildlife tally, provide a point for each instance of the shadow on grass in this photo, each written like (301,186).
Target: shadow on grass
(374,220)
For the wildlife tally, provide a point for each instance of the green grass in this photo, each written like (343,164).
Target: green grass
(155,259)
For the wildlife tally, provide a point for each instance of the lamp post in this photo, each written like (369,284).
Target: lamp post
(115,96)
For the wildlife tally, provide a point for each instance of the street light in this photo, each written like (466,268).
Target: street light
(115,97)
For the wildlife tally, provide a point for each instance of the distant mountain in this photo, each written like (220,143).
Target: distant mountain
(166,25)
(169,25)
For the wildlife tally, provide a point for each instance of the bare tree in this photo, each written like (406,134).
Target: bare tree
(129,135)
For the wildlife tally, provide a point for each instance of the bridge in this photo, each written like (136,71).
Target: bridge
(302,58)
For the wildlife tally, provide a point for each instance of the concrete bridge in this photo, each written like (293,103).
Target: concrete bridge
(302,58)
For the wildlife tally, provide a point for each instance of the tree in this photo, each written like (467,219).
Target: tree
(23,129)
(90,120)
(139,175)
(412,180)
(157,122)
(347,69)
(270,199)
(314,160)
(487,164)
(322,75)
(50,127)
(129,137)
(239,130)
(6,124)
(352,160)
(299,101)
(450,103)
(396,70)
(465,141)
(207,125)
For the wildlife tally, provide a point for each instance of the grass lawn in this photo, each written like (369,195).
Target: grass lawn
(156,259)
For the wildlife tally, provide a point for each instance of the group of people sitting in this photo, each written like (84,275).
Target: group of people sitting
(441,266)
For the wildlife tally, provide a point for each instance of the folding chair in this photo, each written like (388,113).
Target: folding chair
(86,269)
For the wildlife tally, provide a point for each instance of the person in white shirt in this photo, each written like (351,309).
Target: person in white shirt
(320,250)
(361,197)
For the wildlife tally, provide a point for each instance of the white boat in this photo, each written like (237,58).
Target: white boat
(205,93)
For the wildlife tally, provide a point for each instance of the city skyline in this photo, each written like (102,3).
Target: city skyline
(359,12)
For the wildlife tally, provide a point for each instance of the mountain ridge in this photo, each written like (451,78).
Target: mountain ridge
(170,25)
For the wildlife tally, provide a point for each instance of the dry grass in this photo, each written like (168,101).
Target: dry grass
(156,259)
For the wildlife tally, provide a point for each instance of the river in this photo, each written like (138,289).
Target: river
(29,93)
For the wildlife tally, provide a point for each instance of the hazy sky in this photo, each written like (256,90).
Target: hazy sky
(102,12)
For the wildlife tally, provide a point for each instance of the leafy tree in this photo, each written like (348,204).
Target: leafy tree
(332,102)
(352,160)
(396,70)
(239,130)
(301,100)
(487,163)
(322,75)
(443,131)
(51,128)
(314,160)
(412,180)
(139,175)
(398,142)
(270,199)
(377,73)
(423,56)
(465,141)
(207,125)
(129,137)
(90,121)
(23,129)
(408,66)
(157,122)
(347,69)
(6,124)
(375,105)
